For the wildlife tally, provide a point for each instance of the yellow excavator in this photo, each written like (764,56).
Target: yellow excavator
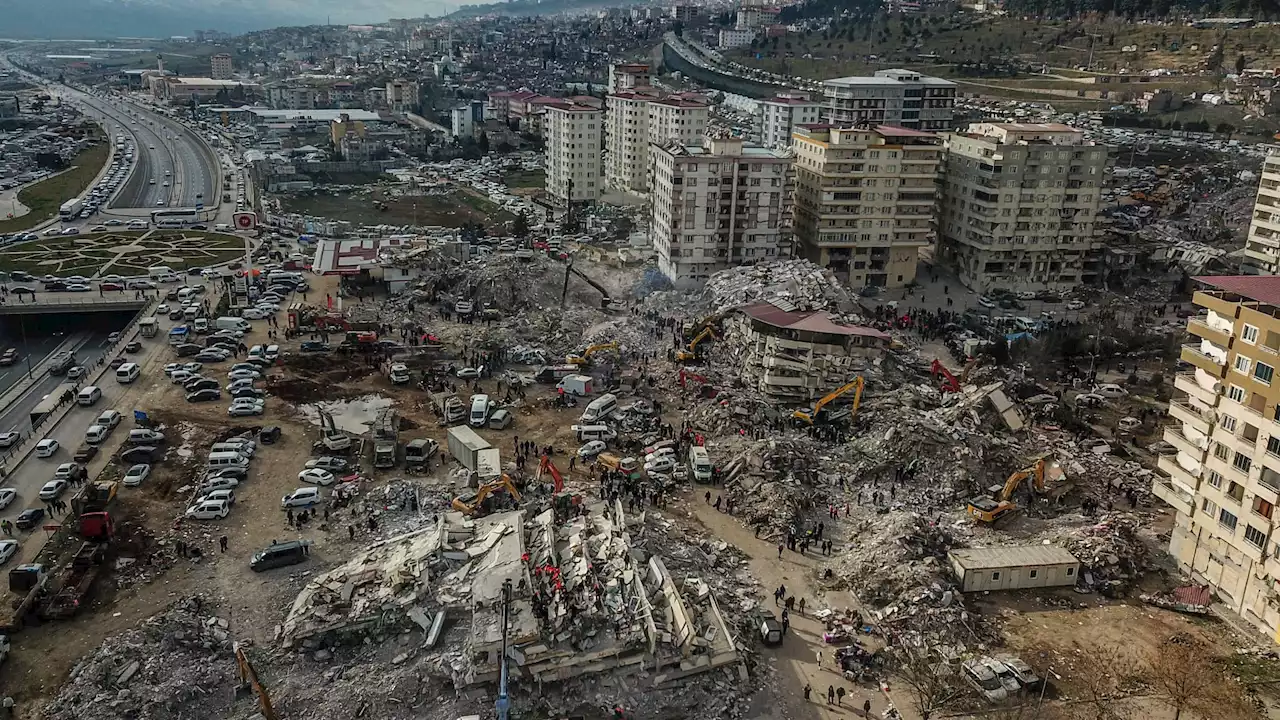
(814,414)
(1047,478)
(690,352)
(585,357)
(473,503)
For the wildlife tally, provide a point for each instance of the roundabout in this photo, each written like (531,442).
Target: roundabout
(121,253)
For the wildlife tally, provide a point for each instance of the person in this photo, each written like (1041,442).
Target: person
(780,546)
(786,622)
(840,696)
(801,606)
(708,497)
(222,543)
(288,516)
(807,689)
(831,694)
(351,530)
(866,708)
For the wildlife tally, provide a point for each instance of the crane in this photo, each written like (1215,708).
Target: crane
(546,465)
(585,357)
(475,505)
(811,415)
(605,300)
(249,680)
(950,383)
(690,353)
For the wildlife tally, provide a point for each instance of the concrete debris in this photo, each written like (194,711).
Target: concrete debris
(175,664)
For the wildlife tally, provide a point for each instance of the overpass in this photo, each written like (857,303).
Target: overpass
(667,57)
(48,303)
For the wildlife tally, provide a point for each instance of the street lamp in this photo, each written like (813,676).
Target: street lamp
(22,328)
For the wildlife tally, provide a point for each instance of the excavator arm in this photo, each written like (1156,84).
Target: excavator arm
(547,466)
(605,299)
(950,384)
(810,415)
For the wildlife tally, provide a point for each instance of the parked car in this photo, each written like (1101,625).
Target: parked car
(283,554)
(316,476)
(592,449)
(204,395)
(134,476)
(327,462)
(8,439)
(212,510)
(245,407)
(28,519)
(7,496)
(142,454)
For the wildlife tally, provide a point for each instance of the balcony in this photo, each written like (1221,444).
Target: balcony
(1191,353)
(1222,307)
(1189,416)
(1184,444)
(1186,382)
(1176,497)
(1199,327)
(1169,464)
(1268,486)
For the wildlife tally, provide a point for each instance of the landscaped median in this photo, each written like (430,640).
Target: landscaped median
(46,197)
(123,253)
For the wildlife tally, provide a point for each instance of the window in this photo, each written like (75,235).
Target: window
(1209,507)
(1071,571)
(1227,520)
(1228,423)
(1242,365)
(1034,574)
(1242,462)
(1236,393)
(1262,507)
(1262,372)
(1273,445)
(1255,536)
(1222,452)
(995,575)
(1249,334)
(1215,479)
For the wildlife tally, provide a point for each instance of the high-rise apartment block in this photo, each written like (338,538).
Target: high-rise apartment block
(715,205)
(1262,246)
(900,98)
(641,118)
(1224,480)
(628,76)
(780,115)
(402,95)
(865,200)
(220,66)
(573,151)
(1020,206)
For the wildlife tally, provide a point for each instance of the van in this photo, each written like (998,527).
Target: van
(232,323)
(96,434)
(158,271)
(220,460)
(302,497)
(280,555)
(222,227)
(501,420)
(585,433)
(244,448)
(479,410)
(88,395)
(600,408)
(185,295)
(127,373)
(700,464)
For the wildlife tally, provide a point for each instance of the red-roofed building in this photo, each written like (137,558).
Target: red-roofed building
(643,117)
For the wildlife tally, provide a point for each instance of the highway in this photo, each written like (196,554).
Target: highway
(38,349)
(16,415)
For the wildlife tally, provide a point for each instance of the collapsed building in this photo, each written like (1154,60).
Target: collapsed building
(584,599)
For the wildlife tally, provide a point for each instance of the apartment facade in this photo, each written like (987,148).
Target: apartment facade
(1020,206)
(901,98)
(717,204)
(865,200)
(220,66)
(780,115)
(1262,246)
(574,171)
(402,95)
(637,120)
(1224,480)
(628,76)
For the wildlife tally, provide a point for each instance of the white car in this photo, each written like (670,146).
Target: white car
(134,476)
(8,548)
(53,489)
(1111,391)
(661,464)
(227,496)
(243,374)
(592,449)
(316,476)
(1075,305)
(242,409)
(212,510)
(253,313)
(181,376)
(46,448)
(75,372)
(6,497)
(660,453)
(268,306)
(162,309)
(467,373)
(108,418)
(9,439)
(303,497)
(113,337)
(65,471)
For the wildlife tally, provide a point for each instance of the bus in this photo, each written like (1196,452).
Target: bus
(174,217)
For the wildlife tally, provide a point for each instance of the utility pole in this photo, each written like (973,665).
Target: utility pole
(503,703)
(22,328)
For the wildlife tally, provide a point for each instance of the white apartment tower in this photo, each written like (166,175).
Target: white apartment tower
(865,200)
(900,98)
(641,118)
(1020,206)
(628,76)
(220,66)
(1262,246)
(715,205)
(573,151)
(780,115)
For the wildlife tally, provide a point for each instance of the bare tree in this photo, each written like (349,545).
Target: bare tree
(1103,674)
(1183,674)
(931,683)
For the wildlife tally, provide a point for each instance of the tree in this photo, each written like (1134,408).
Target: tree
(1102,676)
(930,684)
(1240,63)
(1183,675)
(520,228)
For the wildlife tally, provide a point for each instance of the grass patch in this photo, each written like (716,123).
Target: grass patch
(91,254)
(45,197)
(525,179)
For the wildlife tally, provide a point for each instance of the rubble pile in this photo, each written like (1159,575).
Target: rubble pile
(797,283)
(1111,552)
(894,556)
(178,663)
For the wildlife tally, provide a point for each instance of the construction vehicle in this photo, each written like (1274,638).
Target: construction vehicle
(75,582)
(449,407)
(249,682)
(332,440)
(819,412)
(474,504)
(585,357)
(690,353)
(1047,479)
(605,299)
(386,443)
(28,582)
(949,382)
(704,383)
(358,341)
(94,497)
(628,466)
(546,465)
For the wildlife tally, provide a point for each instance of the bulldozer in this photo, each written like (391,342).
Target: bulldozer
(1047,480)
(474,505)
(819,412)
(690,353)
(585,357)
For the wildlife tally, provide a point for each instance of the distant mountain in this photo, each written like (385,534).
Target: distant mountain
(164,18)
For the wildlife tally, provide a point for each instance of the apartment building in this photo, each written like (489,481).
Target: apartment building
(735,37)
(641,118)
(1262,245)
(220,66)
(402,95)
(1020,206)
(780,115)
(628,76)
(717,204)
(901,98)
(865,200)
(1224,480)
(574,171)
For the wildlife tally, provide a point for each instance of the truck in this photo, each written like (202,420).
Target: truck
(148,327)
(61,362)
(554,373)
(27,583)
(576,384)
(70,210)
(386,445)
(449,407)
(473,451)
(94,497)
(417,452)
(333,441)
(74,582)
(399,374)
(628,466)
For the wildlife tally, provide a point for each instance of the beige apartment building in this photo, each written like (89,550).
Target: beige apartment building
(865,200)
(1020,206)
(715,205)
(574,171)
(1224,480)
(220,66)
(639,119)
(1262,246)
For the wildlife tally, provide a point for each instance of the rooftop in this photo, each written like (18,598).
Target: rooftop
(1015,556)
(1262,288)
(316,115)
(807,321)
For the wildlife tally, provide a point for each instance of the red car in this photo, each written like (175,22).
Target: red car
(111,286)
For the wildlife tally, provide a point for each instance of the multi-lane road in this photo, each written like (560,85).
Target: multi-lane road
(15,416)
